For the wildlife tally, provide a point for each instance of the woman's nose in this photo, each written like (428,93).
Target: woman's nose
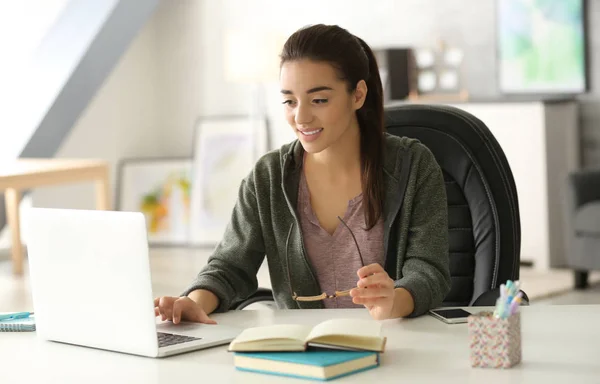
(303,115)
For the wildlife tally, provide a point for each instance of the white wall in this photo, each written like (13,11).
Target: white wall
(381,23)
(180,59)
(21,32)
(145,108)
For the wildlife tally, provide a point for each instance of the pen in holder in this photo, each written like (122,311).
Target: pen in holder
(495,338)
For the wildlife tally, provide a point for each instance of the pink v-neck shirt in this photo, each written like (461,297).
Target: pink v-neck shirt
(334,258)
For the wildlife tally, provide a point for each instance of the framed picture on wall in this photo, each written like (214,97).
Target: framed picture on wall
(225,151)
(541,46)
(159,188)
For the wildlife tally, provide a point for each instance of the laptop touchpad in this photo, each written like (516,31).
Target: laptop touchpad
(205,331)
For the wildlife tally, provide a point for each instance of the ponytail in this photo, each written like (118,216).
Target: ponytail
(370,119)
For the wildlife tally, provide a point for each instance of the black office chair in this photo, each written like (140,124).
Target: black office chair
(483,211)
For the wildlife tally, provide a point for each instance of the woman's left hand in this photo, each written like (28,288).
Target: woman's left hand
(375,290)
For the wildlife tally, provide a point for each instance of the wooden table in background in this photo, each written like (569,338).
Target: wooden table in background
(24,174)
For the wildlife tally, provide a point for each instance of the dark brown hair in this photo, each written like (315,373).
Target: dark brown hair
(354,61)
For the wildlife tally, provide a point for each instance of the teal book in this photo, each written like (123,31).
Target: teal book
(312,365)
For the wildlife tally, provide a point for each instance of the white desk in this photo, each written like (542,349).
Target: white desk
(560,344)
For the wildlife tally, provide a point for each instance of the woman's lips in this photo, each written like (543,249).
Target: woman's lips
(311,134)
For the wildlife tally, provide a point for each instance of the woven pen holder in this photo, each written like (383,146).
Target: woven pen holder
(494,342)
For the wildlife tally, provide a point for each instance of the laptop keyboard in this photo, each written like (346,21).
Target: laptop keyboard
(167,339)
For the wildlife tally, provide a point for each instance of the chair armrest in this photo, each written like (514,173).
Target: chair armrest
(261,294)
(488,298)
(583,187)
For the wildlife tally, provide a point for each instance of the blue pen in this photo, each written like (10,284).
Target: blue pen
(14,316)
(509,285)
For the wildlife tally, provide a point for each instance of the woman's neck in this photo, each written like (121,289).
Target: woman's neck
(342,157)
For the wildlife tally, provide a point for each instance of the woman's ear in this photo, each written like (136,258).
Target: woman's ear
(360,95)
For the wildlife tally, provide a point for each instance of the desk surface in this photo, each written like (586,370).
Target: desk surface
(560,344)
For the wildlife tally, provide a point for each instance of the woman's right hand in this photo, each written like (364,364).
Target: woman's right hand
(176,309)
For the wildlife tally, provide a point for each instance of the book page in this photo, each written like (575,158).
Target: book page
(346,327)
(270,332)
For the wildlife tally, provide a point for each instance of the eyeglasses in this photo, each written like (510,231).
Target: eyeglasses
(323,295)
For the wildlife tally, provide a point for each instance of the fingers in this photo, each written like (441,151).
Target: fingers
(369,270)
(178,307)
(156,307)
(205,319)
(163,307)
(182,308)
(372,292)
(374,283)
(369,301)
(378,279)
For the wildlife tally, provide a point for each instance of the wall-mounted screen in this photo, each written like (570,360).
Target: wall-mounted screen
(541,46)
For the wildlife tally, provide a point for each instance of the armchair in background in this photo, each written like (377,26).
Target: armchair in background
(583,212)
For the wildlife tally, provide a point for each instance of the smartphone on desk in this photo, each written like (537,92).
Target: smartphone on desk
(450,316)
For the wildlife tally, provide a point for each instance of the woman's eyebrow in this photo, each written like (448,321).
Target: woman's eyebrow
(319,89)
(312,90)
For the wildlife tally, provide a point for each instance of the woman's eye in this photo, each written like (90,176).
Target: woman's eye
(320,101)
(288,102)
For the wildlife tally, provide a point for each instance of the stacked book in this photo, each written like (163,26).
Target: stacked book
(329,350)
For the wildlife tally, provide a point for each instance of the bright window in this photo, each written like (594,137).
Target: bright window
(23,25)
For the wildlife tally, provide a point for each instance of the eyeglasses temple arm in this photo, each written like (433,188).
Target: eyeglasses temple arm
(355,242)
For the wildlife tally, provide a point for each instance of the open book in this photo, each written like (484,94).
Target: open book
(348,334)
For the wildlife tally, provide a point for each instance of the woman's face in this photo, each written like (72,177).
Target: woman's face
(317,104)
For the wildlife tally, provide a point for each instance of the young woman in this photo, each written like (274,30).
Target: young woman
(347,215)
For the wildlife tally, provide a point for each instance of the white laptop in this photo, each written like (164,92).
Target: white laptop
(90,280)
